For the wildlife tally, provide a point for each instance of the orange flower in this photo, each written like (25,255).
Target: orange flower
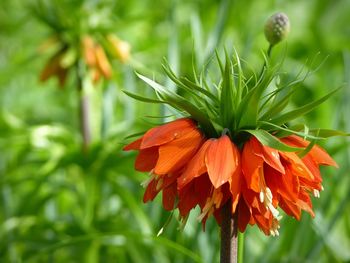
(253,182)
(275,178)
(218,160)
(164,151)
(96,59)
(191,171)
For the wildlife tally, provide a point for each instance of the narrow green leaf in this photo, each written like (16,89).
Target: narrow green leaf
(267,139)
(268,125)
(248,108)
(277,106)
(240,80)
(194,86)
(219,62)
(307,149)
(141,98)
(301,110)
(157,87)
(174,78)
(326,133)
(227,96)
(134,135)
(182,104)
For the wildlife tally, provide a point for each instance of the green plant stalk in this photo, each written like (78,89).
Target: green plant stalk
(240,247)
(84,109)
(229,237)
(268,53)
(92,251)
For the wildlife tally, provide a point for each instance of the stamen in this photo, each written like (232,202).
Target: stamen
(268,194)
(205,209)
(212,202)
(159,184)
(316,193)
(261,197)
(266,198)
(274,211)
(145,183)
(274,227)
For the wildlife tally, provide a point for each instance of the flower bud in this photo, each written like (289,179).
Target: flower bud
(102,62)
(120,48)
(88,46)
(277,28)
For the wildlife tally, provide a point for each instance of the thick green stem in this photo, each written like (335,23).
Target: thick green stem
(269,50)
(229,240)
(240,247)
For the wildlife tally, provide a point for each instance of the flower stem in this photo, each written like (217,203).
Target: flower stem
(240,247)
(229,238)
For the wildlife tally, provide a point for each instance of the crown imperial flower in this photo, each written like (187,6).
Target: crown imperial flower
(81,49)
(277,28)
(233,147)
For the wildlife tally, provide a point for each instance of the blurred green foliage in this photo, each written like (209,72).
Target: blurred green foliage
(60,205)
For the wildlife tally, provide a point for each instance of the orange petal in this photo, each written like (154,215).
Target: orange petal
(88,46)
(270,155)
(187,199)
(175,154)
(319,155)
(146,159)
(169,197)
(243,215)
(289,186)
(304,203)
(236,186)
(297,165)
(251,198)
(296,141)
(167,132)
(290,208)
(151,191)
(221,160)
(203,188)
(135,145)
(103,62)
(263,221)
(252,167)
(314,169)
(195,167)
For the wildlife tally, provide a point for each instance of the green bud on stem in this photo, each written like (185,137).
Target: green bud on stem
(276,28)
